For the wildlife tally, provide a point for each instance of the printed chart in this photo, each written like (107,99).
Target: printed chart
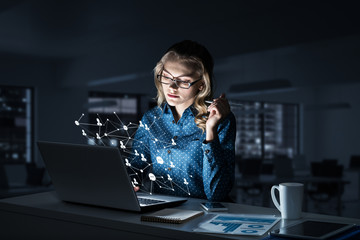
(238,224)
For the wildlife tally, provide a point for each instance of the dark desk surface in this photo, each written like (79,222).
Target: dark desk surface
(43,215)
(23,190)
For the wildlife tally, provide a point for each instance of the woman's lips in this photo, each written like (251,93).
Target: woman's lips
(172,96)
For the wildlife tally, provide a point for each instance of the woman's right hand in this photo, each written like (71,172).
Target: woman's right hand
(136,189)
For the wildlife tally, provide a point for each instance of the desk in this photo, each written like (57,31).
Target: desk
(44,216)
(267,181)
(23,190)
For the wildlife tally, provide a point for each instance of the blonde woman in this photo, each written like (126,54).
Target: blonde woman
(185,145)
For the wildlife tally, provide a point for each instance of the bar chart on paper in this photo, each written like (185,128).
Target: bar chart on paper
(227,227)
(238,224)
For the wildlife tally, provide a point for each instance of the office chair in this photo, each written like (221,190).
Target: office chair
(323,192)
(250,170)
(355,162)
(35,175)
(283,167)
(3,178)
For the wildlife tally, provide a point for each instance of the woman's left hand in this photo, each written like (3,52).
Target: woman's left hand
(218,110)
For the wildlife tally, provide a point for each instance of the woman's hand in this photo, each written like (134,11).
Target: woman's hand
(136,189)
(218,110)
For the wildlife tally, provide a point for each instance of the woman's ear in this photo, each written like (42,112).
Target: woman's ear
(201,87)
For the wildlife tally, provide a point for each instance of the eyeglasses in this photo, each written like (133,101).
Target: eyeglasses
(181,84)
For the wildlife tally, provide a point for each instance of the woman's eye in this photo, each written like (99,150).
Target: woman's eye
(184,80)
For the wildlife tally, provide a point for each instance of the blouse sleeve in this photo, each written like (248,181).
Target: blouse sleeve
(219,161)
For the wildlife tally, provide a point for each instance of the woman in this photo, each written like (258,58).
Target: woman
(185,146)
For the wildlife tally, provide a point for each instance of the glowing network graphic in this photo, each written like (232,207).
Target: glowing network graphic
(117,134)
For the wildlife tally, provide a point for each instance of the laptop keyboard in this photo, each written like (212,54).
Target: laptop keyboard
(148,201)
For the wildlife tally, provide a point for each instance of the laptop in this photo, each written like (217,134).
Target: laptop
(97,175)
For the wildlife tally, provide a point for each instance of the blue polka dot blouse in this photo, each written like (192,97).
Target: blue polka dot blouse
(173,158)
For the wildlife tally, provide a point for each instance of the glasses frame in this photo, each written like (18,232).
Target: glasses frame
(159,76)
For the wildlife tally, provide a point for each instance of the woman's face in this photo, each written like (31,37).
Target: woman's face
(180,97)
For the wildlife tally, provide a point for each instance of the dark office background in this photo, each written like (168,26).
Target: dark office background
(288,52)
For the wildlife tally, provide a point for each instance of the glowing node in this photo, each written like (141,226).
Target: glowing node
(152,177)
(186,182)
(125,128)
(159,160)
(98,136)
(173,142)
(156,140)
(83,133)
(141,170)
(135,181)
(105,134)
(77,123)
(98,122)
(127,162)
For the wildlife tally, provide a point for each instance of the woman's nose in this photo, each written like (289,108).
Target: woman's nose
(173,85)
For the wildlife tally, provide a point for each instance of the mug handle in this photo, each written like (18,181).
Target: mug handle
(275,201)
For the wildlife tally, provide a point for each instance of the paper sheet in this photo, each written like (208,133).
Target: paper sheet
(238,224)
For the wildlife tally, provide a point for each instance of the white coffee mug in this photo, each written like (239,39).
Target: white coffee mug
(291,197)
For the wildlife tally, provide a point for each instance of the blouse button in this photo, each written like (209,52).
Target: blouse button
(175,137)
(207,151)
(173,121)
(169,151)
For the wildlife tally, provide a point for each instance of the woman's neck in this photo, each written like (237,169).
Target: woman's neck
(177,112)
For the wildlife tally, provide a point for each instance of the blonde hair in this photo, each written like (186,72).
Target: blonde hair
(204,94)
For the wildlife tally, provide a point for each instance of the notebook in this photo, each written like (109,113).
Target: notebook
(171,215)
(97,175)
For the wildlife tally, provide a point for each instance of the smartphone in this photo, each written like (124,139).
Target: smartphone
(213,206)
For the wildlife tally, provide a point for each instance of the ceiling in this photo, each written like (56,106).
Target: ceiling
(61,29)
